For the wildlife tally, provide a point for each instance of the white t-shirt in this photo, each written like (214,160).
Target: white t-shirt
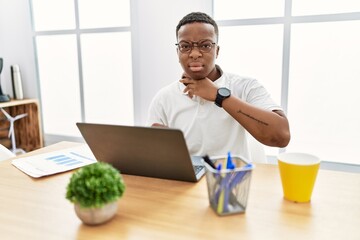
(209,129)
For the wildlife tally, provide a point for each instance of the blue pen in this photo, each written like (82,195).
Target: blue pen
(222,193)
(226,183)
(237,179)
(231,181)
(240,175)
(218,167)
(226,190)
(217,183)
(229,163)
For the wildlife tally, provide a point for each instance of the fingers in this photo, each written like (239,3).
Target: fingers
(186,81)
(184,75)
(191,87)
(188,90)
(190,94)
(196,87)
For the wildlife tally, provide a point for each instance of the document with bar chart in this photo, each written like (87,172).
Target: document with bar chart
(55,162)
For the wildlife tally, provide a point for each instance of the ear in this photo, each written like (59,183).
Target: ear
(217,51)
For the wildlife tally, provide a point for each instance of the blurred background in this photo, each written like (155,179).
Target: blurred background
(103,61)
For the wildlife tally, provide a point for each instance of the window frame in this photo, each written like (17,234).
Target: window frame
(77,31)
(287,20)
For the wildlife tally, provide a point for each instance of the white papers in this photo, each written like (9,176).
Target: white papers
(55,162)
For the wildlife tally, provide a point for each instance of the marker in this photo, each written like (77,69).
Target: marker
(208,161)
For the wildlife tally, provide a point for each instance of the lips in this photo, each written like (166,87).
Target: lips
(196,66)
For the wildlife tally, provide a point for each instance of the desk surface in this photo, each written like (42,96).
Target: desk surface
(164,209)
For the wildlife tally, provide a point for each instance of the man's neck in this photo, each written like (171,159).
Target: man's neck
(215,74)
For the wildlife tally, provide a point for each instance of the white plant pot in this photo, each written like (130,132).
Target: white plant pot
(94,216)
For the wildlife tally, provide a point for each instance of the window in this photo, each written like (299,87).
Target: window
(315,7)
(309,49)
(242,9)
(53,15)
(59,74)
(323,89)
(253,53)
(83,52)
(107,70)
(109,13)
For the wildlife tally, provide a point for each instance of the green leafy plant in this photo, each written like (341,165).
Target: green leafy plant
(95,185)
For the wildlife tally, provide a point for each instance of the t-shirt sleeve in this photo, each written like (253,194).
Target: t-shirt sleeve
(156,112)
(256,94)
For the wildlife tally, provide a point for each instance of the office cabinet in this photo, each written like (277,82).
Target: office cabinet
(28,131)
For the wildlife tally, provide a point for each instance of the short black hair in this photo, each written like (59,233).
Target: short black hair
(197,17)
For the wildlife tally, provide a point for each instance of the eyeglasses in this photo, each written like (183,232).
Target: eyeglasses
(204,46)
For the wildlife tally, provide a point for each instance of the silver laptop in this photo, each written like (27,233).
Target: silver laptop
(143,151)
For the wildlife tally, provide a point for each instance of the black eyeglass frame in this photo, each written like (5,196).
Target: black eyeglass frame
(196,44)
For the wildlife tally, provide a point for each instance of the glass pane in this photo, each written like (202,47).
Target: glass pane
(254,51)
(313,7)
(58,72)
(104,13)
(324,90)
(238,9)
(107,75)
(53,14)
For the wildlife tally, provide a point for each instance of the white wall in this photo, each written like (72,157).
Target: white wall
(154,52)
(155,61)
(16,46)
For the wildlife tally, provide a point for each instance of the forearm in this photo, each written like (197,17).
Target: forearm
(268,127)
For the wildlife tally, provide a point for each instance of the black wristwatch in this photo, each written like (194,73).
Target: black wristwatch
(222,93)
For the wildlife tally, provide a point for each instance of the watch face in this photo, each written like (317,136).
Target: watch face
(224,92)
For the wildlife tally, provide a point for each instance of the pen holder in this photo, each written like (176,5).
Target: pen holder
(228,189)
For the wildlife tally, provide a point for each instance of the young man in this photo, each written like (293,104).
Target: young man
(214,109)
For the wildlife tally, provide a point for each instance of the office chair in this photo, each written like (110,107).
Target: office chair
(5,153)
(12,131)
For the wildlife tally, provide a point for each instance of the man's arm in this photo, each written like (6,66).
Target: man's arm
(268,127)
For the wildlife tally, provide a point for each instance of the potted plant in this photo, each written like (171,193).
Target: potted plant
(94,190)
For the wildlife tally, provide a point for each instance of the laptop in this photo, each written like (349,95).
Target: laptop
(143,151)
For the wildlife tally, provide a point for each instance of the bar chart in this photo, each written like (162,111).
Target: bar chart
(55,162)
(67,160)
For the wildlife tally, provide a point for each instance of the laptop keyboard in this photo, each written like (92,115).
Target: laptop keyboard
(198,168)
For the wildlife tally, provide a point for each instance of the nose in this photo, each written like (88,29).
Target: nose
(195,52)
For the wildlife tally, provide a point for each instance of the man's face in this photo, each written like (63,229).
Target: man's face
(196,63)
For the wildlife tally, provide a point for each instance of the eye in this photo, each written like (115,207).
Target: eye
(205,45)
(184,46)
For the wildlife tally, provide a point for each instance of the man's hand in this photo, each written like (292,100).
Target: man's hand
(203,88)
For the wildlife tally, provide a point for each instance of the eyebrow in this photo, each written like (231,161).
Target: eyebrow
(202,40)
